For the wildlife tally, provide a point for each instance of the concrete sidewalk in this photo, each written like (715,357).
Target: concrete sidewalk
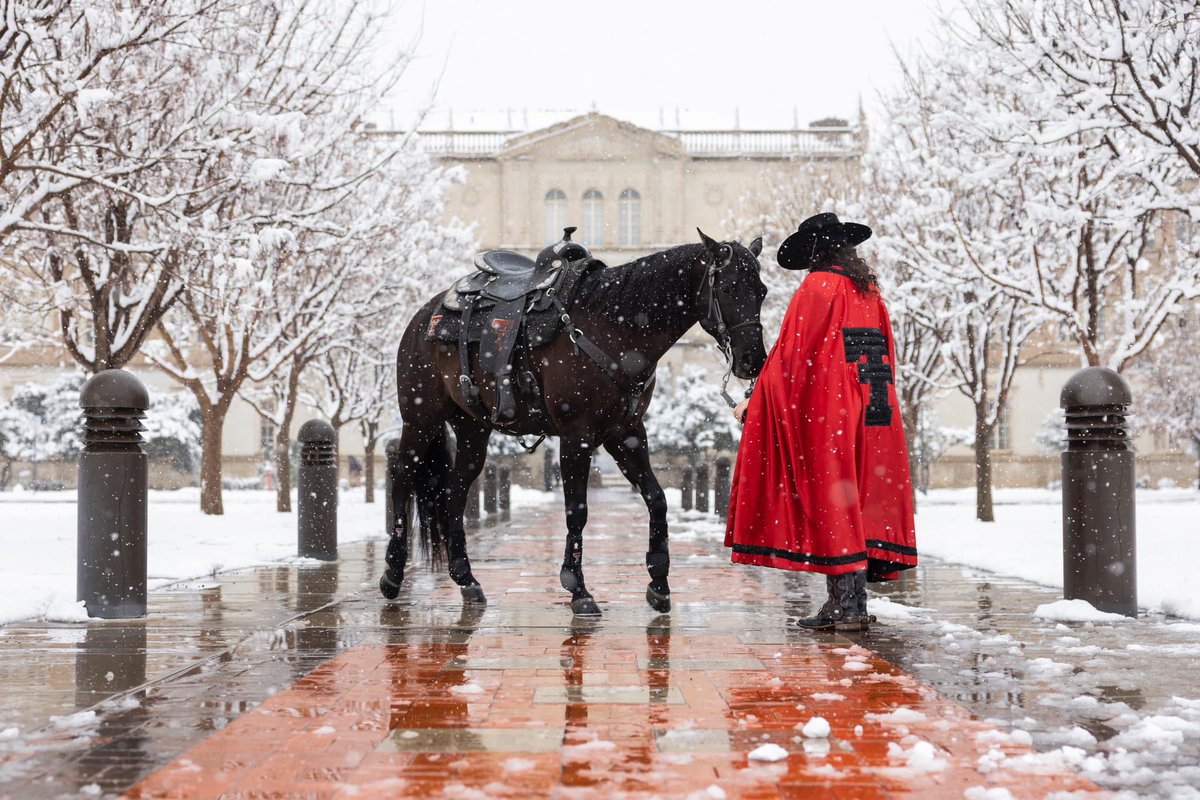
(301,681)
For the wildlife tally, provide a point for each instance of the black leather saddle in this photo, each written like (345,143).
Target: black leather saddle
(509,297)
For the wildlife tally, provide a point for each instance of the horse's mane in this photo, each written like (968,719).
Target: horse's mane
(649,292)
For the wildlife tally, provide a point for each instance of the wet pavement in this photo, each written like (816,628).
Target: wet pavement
(299,681)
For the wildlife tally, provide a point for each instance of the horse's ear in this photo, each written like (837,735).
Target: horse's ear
(713,245)
(756,247)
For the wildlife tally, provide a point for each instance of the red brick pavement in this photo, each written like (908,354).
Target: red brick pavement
(595,709)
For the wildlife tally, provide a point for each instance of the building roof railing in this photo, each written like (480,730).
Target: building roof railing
(803,142)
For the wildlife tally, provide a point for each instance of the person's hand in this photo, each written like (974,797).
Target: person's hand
(739,411)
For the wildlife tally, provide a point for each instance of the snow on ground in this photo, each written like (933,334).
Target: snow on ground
(38,529)
(1025,541)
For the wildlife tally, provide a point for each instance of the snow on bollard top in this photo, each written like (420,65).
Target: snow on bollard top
(768,752)
(1076,611)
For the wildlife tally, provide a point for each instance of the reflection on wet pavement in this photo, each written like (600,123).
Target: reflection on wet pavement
(298,681)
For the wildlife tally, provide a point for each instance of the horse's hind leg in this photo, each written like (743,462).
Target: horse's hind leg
(414,444)
(633,458)
(471,451)
(576,462)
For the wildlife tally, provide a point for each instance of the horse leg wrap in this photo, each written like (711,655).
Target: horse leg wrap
(460,571)
(658,564)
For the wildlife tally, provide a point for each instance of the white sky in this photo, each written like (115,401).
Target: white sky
(631,58)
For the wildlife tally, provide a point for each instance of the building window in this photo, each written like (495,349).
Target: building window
(556,214)
(1000,433)
(593,218)
(630,228)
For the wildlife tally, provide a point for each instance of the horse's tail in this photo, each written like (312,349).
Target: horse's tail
(431,485)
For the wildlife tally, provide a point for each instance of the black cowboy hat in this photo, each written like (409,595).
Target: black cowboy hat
(819,232)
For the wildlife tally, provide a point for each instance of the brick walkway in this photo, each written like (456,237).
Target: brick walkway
(338,694)
(301,683)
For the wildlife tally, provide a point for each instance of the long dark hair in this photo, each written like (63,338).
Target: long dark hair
(847,261)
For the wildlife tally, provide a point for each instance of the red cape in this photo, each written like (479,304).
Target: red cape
(822,482)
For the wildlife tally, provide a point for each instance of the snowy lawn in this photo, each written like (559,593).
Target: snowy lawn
(1026,540)
(37,537)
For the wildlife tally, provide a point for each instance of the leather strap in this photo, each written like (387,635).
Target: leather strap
(469,391)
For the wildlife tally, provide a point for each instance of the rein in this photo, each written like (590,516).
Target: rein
(716,320)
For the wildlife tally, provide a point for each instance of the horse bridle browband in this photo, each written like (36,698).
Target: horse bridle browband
(716,319)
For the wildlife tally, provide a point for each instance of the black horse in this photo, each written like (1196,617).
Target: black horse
(638,311)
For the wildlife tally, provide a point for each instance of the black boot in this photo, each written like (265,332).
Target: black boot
(860,595)
(841,612)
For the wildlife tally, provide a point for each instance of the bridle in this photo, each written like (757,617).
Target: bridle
(714,320)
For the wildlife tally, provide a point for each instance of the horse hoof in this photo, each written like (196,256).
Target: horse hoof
(568,580)
(585,607)
(474,594)
(388,588)
(659,602)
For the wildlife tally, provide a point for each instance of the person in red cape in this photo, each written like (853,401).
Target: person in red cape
(822,481)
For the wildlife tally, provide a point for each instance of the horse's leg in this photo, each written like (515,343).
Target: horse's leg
(575,461)
(414,443)
(470,453)
(633,458)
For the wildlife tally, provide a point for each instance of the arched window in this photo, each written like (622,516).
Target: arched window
(556,214)
(630,227)
(593,218)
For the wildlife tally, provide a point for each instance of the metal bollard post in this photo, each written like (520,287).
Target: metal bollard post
(686,486)
(702,488)
(392,452)
(471,514)
(110,576)
(547,469)
(489,489)
(1099,562)
(504,493)
(722,485)
(317,491)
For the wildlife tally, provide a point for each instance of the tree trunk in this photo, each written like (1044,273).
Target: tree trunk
(283,471)
(213,422)
(908,417)
(283,449)
(369,430)
(1196,444)
(983,468)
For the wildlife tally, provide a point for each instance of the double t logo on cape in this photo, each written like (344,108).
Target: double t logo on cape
(871,343)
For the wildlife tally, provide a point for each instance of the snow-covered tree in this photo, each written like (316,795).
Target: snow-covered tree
(42,422)
(690,417)
(173,430)
(1168,400)
(282,205)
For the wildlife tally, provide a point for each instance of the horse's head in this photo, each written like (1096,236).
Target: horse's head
(731,300)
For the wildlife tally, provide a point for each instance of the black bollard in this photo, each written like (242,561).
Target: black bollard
(721,486)
(504,492)
(392,451)
(110,576)
(471,513)
(687,485)
(489,489)
(317,491)
(547,469)
(1099,562)
(702,488)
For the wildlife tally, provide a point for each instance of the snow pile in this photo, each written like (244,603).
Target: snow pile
(901,716)
(1076,611)
(768,752)
(816,728)
(987,793)
(830,696)
(920,757)
(886,608)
